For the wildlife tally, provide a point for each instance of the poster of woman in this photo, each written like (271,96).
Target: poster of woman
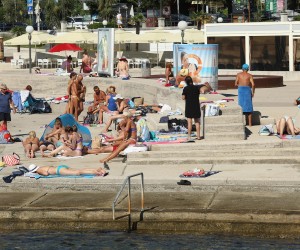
(105,51)
(199,61)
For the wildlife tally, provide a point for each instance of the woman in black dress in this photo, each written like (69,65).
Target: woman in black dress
(192,106)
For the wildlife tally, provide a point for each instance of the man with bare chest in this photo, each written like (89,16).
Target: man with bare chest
(246,88)
(75,98)
(82,89)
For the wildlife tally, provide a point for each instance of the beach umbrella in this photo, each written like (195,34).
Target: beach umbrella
(77,36)
(37,38)
(65,47)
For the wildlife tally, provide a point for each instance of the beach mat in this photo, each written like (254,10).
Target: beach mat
(207,174)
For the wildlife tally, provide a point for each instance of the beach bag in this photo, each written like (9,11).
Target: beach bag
(11,160)
(266,130)
(90,118)
(164,119)
(5,137)
(96,142)
(212,110)
(40,106)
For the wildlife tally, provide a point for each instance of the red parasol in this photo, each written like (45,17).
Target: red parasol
(65,47)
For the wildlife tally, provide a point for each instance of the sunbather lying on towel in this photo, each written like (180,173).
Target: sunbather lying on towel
(285,125)
(64,170)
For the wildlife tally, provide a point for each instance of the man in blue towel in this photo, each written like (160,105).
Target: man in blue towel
(245,83)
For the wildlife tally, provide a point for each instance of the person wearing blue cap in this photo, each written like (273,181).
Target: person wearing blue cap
(246,88)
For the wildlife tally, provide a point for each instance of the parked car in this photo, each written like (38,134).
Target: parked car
(20,24)
(5,26)
(77,22)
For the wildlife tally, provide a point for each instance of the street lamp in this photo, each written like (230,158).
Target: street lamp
(182,25)
(29,30)
(104,23)
(220,19)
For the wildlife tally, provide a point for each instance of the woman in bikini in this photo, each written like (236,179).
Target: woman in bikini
(130,136)
(31,144)
(64,170)
(56,133)
(75,147)
(109,105)
(73,77)
(122,106)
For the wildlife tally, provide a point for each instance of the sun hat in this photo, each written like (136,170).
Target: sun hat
(118,96)
(245,66)
(33,168)
(3,86)
(184,72)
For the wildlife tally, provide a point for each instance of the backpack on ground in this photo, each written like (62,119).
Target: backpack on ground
(90,118)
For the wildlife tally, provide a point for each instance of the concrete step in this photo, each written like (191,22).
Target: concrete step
(211,153)
(221,119)
(231,110)
(225,136)
(229,145)
(215,160)
(226,127)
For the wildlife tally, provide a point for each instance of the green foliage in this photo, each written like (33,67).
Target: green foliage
(17,30)
(139,17)
(111,24)
(201,16)
(297,18)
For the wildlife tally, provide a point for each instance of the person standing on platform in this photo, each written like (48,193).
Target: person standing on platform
(6,104)
(246,88)
(191,95)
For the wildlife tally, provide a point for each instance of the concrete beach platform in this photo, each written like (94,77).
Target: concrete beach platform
(255,191)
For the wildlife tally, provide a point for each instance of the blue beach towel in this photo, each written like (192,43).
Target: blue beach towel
(245,98)
(68,119)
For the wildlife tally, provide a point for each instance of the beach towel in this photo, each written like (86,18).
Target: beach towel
(289,137)
(61,157)
(37,176)
(16,97)
(68,119)
(245,98)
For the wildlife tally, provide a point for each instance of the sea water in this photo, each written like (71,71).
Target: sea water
(124,240)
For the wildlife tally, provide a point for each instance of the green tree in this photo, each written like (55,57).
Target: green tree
(14,11)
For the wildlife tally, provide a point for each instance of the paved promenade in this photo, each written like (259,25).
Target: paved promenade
(237,199)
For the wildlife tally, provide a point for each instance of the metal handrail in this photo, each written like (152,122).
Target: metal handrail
(129,196)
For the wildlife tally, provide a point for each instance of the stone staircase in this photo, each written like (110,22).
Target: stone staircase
(229,125)
(221,153)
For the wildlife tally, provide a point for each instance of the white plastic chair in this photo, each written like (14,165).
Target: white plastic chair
(137,63)
(47,63)
(40,63)
(21,63)
(13,63)
(130,63)
(79,61)
(59,62)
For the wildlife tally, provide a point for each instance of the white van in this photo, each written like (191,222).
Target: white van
(77,22)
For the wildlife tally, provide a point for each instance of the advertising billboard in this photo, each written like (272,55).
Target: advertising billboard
(106,51)
(200,61)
